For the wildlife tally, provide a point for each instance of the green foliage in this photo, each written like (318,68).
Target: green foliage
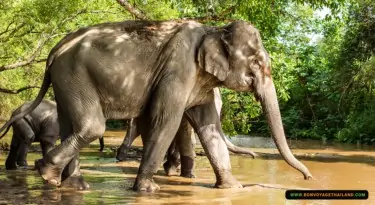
(116,124)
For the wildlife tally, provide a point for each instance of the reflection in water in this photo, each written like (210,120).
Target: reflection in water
(264,180)
(24,186)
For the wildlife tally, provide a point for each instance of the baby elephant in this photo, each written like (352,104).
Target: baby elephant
(41,125)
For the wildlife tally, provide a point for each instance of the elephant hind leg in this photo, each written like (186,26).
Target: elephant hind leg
(185,145)
(173,160)
(72,176)
(78,128)
(131,134)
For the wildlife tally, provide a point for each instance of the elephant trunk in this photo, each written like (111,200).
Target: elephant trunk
(271,109)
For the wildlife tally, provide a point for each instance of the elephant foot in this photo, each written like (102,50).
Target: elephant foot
(226,181)
(187,166)
(170,169)
(188,175)
(10,166)
(121,155)
(147,185)
(22,163)
(76,182)
(50,173)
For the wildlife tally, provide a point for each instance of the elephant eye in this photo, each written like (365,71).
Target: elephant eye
(256,61)
(250,73)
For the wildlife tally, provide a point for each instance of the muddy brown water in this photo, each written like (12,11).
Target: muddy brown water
(265,179)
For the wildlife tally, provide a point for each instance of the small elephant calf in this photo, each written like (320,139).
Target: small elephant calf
(41,125)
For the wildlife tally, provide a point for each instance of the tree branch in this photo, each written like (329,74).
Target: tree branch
(6,38)
(7,29)
(137,13)
(8,91)
(38,49)
(42,41)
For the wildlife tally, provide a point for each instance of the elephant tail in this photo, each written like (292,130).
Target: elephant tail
(238,150)
(6,131)
(42,92)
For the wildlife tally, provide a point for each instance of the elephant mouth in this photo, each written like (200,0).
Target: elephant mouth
(252,83)
(246,84)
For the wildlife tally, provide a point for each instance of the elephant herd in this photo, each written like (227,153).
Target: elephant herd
(41,125)
(163,76)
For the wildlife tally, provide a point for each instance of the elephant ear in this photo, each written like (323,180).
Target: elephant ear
(213,56)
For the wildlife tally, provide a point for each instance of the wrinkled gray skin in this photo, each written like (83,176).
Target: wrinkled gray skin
(180,152)
(41,125)
(159,71)
(183,144)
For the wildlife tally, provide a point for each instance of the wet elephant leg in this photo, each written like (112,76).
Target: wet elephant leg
(205,120)
(101,143)
(71,175)
(26,136)
(22,154)
(173,160)
(181,152)
(77,129)
(164,114)
(47,145)
(131,134)
(10,163)
(186,145)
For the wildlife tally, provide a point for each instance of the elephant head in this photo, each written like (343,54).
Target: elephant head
(236,56)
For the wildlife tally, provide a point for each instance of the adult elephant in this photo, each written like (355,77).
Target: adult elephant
(41,125)
(159,71)
(181,150)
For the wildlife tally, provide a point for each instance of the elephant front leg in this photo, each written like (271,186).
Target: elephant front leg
(71,175)
(206,122)
(22,154)
(164,115)
(15,145)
